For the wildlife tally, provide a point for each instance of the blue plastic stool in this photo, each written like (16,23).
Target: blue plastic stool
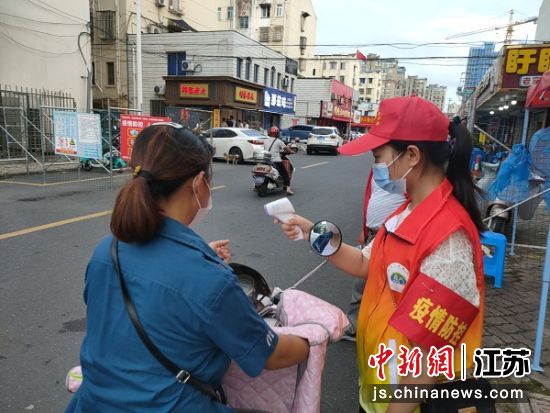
(494,266)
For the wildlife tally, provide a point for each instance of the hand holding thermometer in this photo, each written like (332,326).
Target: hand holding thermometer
(283,210)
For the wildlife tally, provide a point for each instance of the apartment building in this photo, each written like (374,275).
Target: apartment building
(221,65)
(436,94)
(286,26)
(415,85)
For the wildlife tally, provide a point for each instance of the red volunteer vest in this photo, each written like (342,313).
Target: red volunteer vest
(391,298)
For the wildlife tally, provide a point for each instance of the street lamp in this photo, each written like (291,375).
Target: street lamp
(492,112)
(514,102)
(506,106)
(500,108)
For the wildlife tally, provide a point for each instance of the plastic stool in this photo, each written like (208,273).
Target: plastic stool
(494,266)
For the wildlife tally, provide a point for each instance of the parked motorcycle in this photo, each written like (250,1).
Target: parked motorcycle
(496,209)
(105,162)
(88,164)
(266,176)
(492,208)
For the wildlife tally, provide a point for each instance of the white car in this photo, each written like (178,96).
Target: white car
(243,142)
(324,138)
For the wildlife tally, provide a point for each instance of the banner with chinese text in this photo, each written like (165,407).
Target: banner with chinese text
(77,134)
(130,127)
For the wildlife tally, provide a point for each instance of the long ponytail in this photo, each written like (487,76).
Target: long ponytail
(459,174)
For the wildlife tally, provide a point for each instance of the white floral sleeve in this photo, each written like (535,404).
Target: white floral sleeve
(452,264)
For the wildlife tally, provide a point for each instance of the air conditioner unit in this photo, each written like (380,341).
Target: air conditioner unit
(160,3)
(153,29)
(159,90)
(187,66)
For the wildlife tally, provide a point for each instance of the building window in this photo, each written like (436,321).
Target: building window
(343,79)
(273,77)
(230,13)
(332,65)
(278,80)
(369,91)
(157,107)
(361,81)
(303,45)
(243,22)
(239,66)
(219,13)
(303,18)
(292,85)
(110,73)
(279,10)
(313,73)
(370,80)
(256,71)
(361,91)
(265,10)
(106,24)
(175,63)
(324,65)
(93,73)
(266,76)
(247,68)
(342,65)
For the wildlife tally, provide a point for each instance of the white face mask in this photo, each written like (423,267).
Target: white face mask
(201,212)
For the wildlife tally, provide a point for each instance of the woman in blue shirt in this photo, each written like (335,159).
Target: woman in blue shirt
(188,300)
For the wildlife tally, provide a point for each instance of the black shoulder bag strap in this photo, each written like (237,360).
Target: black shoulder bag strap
(183,376)
(272,143)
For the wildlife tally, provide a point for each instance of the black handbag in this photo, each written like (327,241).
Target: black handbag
(461,405)
(182,375)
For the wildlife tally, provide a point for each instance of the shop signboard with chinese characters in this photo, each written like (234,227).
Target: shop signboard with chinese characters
(194,90)
(130,127)
(278,101)
(341,96)
(367,120)
(524,65)
(245,95)
(77,134)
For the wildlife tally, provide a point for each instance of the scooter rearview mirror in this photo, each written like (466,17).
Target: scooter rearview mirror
(325,238)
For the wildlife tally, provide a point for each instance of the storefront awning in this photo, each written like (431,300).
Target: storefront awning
(538,96)
(182,25)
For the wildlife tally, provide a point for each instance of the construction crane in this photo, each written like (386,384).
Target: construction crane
(509,28)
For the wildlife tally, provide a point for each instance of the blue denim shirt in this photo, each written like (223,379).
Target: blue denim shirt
(192,308)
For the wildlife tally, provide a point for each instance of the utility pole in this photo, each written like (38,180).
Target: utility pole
(138,57)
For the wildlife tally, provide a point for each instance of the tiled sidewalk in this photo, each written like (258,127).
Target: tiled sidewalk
(511,315)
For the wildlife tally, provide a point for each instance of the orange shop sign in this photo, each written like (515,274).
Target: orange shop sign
(245,95)
(367,120)
(194,90)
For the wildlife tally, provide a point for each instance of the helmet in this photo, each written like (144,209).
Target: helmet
(273,132)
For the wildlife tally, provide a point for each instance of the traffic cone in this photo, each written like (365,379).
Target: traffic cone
(477,167)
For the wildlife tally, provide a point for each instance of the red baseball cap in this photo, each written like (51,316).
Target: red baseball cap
(401,119)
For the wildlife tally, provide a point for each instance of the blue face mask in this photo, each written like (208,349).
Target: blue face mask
(381,175)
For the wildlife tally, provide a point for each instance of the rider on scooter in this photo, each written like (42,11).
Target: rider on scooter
(277,147)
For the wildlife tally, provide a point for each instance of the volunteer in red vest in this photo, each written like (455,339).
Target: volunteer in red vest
(424,268)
